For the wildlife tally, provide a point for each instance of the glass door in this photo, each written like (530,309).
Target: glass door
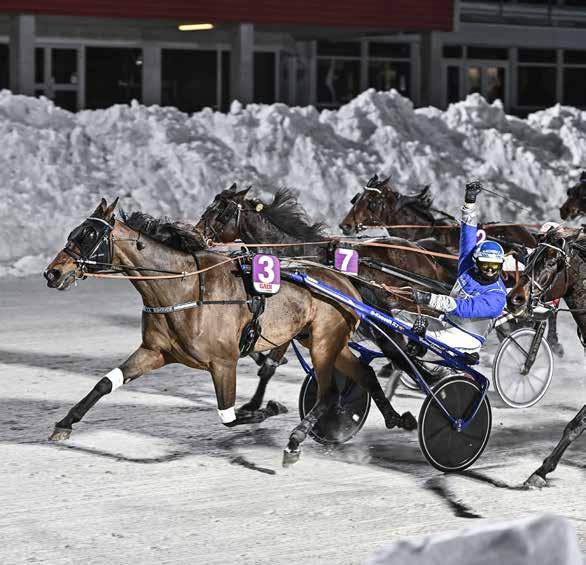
(57,75)
(488,79)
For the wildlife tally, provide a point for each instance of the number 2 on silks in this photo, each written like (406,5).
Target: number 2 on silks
(480,237)
(346,261)
(266,274)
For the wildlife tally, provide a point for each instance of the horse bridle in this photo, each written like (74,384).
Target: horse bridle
(231,208)
(561,263)
(373,209)
(91,259)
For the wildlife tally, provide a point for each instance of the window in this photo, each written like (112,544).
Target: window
(536,86)
(488,53)
(189,79)
(537,56)
(453,51)
(389,50)
(578,57)
(264,78)
(453,84)
(39,65)
(225,81)
(338,81)
(338,48)
(113,76)
(384,75)
(4,66)
(64,66)
(575,87)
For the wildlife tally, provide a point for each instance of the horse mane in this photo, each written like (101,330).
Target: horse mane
(175,234)
(286,213)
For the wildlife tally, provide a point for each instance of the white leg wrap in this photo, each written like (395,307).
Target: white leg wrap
(116,378)
(227,415)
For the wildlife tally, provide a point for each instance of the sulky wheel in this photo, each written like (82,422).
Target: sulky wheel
(521,384)
(444,447)
(346,416)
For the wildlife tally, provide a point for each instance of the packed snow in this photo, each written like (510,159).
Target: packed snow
(56,165)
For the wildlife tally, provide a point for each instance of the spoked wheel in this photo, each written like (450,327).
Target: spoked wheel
(346,416)
(518,384)
(444,447)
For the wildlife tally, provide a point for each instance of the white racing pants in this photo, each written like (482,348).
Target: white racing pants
(446,333)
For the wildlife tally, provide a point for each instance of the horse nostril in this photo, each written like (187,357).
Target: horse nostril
(517,300)
(52,275)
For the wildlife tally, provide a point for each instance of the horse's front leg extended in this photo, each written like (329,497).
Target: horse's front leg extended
(572,432)
(224,378)
(140,362)
(265,373)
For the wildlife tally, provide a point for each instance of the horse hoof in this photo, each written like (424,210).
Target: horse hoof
(535,481)
(60,434)
(274,408)
(247,408)
(408,422)
(558,349)
(290,457)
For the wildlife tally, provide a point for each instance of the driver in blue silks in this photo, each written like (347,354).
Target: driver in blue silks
(478,295)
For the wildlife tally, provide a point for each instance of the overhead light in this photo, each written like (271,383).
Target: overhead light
(195,27)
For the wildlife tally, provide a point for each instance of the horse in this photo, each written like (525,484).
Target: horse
(196,317)
(379,204)
(556,269)
(575,204)
(233,216)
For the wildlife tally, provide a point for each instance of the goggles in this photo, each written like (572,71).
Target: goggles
(487,266)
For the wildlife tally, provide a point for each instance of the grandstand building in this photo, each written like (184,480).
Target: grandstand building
(530,54)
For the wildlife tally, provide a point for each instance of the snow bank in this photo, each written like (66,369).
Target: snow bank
(543,540)
(56,165)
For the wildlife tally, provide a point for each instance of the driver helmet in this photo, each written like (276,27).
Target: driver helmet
(489,257)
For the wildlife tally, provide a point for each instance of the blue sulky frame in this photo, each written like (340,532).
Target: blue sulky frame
(450,357)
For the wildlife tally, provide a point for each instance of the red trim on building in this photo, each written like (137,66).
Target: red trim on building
(395,14)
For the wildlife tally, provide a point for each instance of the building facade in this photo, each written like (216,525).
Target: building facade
(530,54)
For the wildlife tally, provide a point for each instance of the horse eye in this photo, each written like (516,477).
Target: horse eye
(373,205)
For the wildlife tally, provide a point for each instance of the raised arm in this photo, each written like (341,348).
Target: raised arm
(468,226)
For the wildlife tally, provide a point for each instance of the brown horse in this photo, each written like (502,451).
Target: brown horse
(232,216)
(379,205)
(198,320)
(556,269)
(575,204)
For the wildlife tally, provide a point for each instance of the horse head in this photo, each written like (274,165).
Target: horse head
(575,204)
(544,277)
(220,221)
(88,249)
(369,206)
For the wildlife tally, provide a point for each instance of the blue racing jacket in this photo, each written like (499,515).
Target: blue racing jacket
(471,306)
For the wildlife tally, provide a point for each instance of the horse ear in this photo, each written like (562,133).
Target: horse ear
(424,193)
(583,176)
(372,181)
(233,188)
(110,209)
(101,208)
(242,194)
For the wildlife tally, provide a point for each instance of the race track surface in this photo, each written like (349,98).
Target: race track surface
(151,475)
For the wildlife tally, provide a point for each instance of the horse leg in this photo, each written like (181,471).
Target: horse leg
(140,362)
(365,376)
(322,357)
(224,378)
(552,336)
(265,373)
(572,432)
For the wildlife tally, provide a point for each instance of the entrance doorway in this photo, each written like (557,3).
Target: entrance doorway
(488,79)
(57,75)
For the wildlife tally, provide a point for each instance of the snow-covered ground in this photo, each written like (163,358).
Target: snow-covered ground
(55,165)
(151,476)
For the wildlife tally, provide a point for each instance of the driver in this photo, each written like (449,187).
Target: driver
(478,295)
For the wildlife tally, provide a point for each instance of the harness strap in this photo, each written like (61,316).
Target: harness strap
(188,305)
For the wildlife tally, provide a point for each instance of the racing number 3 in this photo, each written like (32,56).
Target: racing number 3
(266,274)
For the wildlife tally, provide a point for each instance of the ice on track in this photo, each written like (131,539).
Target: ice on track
(57,165)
